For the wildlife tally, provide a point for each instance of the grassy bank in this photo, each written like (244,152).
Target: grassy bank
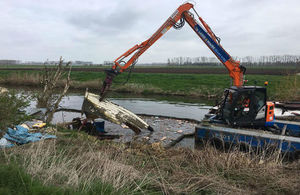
(198,85)
(77,163)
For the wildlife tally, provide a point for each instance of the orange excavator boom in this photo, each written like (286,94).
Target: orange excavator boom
(176,20)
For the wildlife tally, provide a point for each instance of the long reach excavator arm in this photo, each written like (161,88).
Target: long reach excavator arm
(177,20)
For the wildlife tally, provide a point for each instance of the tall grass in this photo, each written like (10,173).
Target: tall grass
(22,78)
(79,167)
(75,163)
(13,180)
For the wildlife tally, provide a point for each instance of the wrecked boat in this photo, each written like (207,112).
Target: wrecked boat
(93,108)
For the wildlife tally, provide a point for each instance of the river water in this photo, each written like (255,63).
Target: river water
(140,105)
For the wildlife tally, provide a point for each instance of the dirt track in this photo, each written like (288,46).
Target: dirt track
(256,71)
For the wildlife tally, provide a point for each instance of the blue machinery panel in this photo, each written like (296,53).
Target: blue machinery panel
(219,51)
(251,138)
(292,128)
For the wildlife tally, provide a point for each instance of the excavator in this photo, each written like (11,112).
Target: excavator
(240,106)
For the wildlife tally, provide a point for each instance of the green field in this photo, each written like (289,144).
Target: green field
(202,85)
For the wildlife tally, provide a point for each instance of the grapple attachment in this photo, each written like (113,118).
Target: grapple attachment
(110,75)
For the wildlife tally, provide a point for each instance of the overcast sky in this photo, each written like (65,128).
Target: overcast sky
(99,30)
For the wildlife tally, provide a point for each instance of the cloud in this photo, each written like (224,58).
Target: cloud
(105,22)
(102,30)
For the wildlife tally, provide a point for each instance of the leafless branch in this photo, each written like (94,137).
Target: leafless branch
(50,80)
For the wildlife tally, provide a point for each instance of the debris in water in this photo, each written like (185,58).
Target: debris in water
(163,138)
(179,131)
(124,126)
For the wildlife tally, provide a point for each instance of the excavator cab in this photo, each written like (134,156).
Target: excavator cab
(246,106)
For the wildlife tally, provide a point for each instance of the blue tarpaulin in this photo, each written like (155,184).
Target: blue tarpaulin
(22,136)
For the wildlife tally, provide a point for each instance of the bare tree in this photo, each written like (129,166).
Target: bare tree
(52,78)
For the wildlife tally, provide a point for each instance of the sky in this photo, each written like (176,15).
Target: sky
(102,30)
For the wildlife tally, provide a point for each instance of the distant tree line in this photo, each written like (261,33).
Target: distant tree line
(274,60)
